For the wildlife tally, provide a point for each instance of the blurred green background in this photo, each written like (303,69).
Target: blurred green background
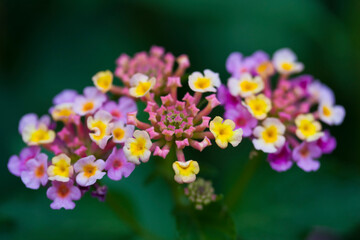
(47,46)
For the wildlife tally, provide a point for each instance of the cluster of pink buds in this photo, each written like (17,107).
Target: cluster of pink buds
(156,63)
(280,121)
(89,136)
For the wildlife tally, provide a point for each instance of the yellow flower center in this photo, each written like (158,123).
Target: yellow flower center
(40,171)
(137,147)
(270,134)
(118,133)
(39,135)
(142,88)
(258,106)
(307,128)
(248,86)
(59,113)
(223,132)
(88,106)
(104,81)
(89,170)
(262,67)
(186,170)
(326,111)
(287,66)
(102,130)
(61,168)
(202,83)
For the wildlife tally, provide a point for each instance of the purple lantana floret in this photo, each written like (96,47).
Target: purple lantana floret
(242,118)
(17,164)
(35,173)
(305,156)
(117,166)
(63,194)
(120,110)
(281,161)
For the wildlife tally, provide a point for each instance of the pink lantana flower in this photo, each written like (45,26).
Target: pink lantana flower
(17,164)
(63,194)
(35,173)
(117,166)
(121,109)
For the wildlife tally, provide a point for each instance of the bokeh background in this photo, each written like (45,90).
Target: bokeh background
(46,46)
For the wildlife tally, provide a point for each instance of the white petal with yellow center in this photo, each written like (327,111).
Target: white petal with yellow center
(285,62)
(308,128)
(224,132)
(246,85)
(101,127)
(204,83)
(141,85)
(269,136)
(61,169)
(138,147)
(258,106)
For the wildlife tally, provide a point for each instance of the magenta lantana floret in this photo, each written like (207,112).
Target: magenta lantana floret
(280,121)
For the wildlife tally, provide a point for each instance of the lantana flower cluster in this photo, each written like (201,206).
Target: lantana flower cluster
(286,121)
(95,133)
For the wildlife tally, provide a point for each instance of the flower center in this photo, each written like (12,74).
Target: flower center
(304,152)
(117,164)
(202,83)
(101,130)
(89,170)
(307,128)
(40,171)
(270,134)
(39,135)
(137,148)
(118,133)
(142,88)
(104,81)
(326,111)
(63,190)
(240,122)
(116,113)
(287,66)
(258,107)
(248,86)
(88,106)
(62,168)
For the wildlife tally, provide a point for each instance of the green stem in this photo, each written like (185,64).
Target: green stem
(123,214)
(243,180)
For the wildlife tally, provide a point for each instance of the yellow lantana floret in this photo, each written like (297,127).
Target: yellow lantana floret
(270,136)
(39,135)
(138,147)
(225,133)
(61,169)
(141,85)
(185,172)
(62,112)
(207,82)
(103,80)
(101,127)
(307,128)
(246,85)
(258,106)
